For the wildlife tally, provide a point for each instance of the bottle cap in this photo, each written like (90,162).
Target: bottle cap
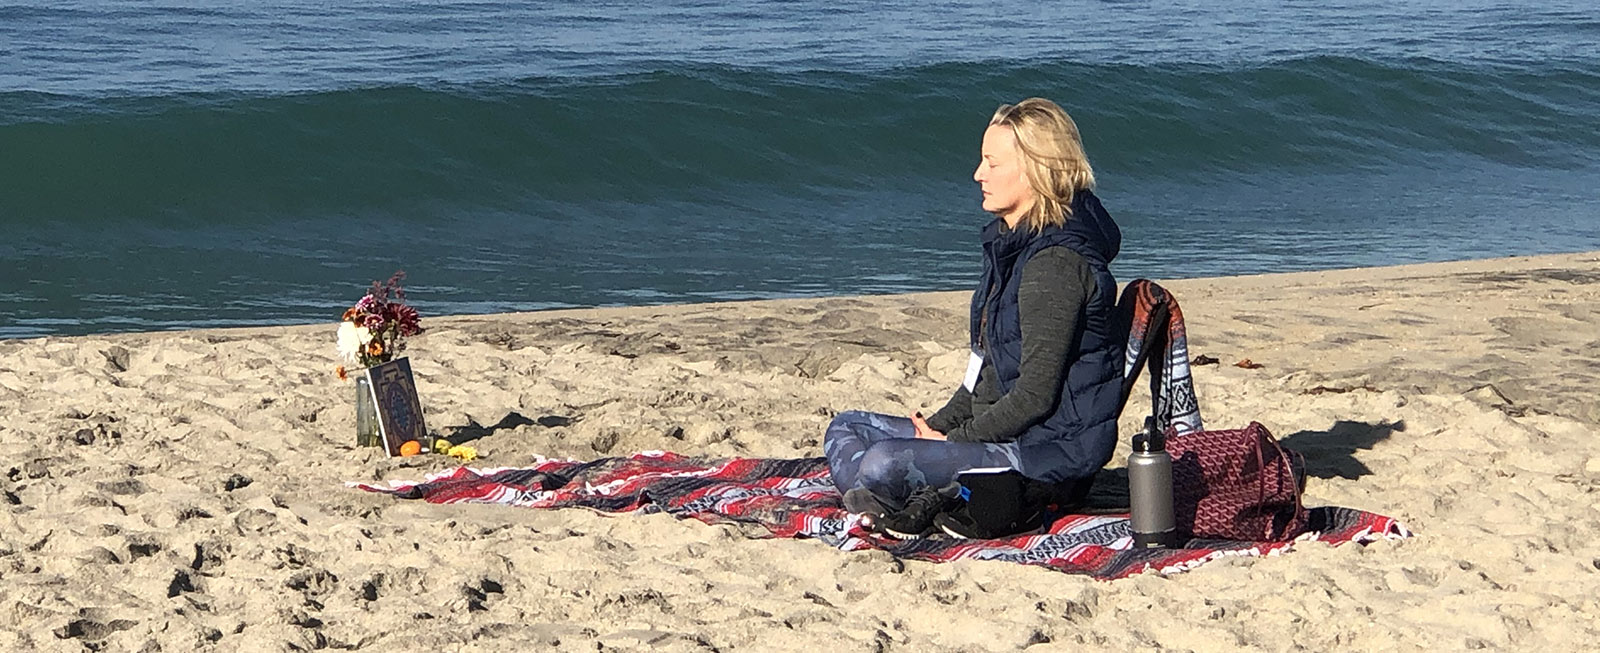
(1151,439)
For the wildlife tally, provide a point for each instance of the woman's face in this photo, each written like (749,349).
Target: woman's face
(1006,192)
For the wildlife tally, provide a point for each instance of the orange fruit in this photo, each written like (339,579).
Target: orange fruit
(411,448)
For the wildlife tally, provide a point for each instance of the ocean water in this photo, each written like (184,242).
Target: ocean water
(170,165)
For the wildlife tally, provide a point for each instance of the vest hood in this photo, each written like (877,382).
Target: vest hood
(1093,227)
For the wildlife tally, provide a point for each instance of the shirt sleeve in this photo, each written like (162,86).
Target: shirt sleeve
(1055,288)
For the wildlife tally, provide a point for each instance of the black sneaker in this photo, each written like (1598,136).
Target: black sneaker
(916,520)
(863,502)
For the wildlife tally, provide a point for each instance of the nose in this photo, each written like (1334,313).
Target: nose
(977,173)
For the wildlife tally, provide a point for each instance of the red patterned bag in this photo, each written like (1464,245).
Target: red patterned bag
(1236,485)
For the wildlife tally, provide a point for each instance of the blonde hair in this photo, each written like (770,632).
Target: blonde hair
(1052,158)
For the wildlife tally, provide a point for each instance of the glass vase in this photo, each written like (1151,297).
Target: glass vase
(366,413)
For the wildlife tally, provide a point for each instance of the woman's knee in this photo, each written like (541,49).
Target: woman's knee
(844,425)
(881,467)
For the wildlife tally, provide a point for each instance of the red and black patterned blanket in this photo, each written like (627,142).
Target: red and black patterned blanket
(795,498)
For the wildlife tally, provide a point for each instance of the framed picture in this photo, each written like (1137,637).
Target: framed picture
(399,411)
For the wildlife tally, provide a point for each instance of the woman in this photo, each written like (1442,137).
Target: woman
(1040,395)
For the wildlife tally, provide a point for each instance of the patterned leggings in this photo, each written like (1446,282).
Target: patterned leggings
(883,454)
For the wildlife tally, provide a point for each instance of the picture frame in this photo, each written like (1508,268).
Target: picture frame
(394,393)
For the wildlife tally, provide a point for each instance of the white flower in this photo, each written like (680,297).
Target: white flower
(352,341)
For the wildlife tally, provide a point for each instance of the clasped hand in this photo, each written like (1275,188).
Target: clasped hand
(924,431)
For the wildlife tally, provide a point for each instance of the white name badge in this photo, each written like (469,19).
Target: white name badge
(974,366)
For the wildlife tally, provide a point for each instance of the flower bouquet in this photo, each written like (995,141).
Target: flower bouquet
(375,329)
(372,333)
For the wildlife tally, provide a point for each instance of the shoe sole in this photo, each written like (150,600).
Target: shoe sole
(1035,530)
(905,536)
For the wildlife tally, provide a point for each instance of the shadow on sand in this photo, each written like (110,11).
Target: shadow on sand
(512,420)
(1332,453)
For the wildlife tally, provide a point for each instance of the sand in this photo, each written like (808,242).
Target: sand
(184,491)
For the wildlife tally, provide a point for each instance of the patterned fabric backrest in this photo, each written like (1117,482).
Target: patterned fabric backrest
(1159,340)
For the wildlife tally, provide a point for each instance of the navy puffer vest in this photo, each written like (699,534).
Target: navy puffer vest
(1078,437)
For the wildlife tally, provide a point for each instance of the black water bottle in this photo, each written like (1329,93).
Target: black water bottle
(1150,490)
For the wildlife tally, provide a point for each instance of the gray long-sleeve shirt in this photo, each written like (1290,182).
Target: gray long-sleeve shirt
(1055,288)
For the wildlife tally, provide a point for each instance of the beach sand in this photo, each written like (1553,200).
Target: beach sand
(185,491)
